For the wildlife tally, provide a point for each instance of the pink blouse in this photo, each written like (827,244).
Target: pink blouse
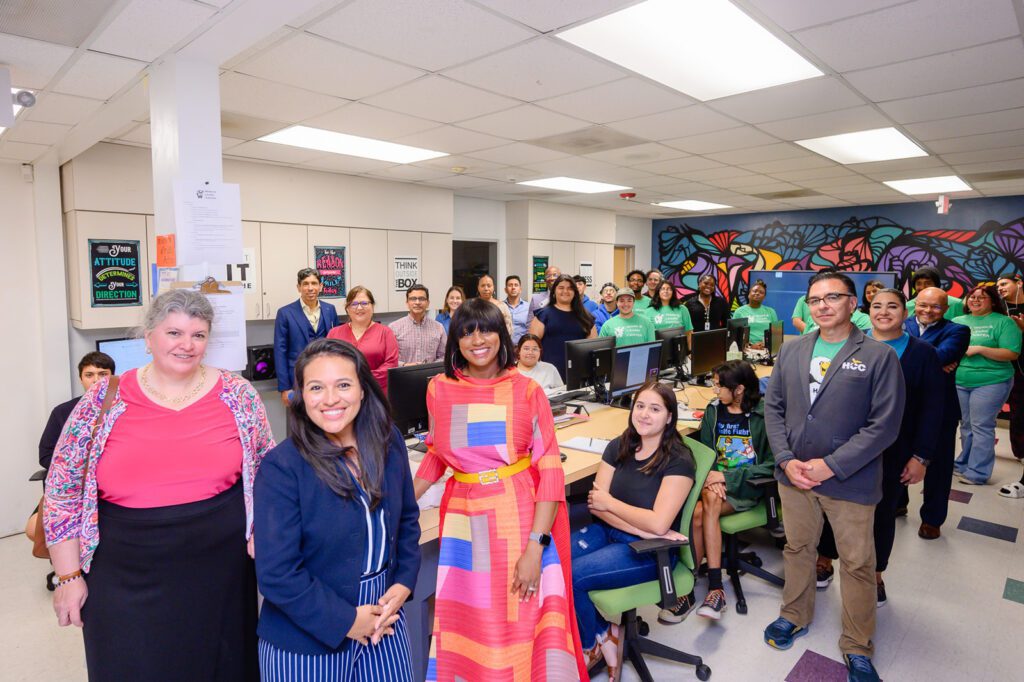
(146,461)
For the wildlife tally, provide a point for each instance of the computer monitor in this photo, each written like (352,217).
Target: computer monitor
(739,331)
(674,349)
(407,393)
(633,366)
(707,350)
(588,362)
(773,338)
(126,353)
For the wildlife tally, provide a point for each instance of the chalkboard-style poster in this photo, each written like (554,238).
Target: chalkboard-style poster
(329,261)
(114,264)
(540,267)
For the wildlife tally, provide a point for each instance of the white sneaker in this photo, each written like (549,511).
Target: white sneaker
(1013,490)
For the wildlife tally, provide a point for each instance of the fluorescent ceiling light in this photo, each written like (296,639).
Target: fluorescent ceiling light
(703,48)
(937,185)
(350,145)
(691,205)
(880,144)
(573,185)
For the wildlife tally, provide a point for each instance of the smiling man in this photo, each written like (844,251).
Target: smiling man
(628,327)
(420,338)
(297,324)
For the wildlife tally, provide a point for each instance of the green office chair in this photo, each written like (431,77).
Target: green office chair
(767,512)
(626,600)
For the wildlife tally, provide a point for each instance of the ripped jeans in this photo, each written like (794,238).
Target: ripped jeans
(602,560)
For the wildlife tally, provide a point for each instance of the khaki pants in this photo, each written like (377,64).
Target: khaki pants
(853,526)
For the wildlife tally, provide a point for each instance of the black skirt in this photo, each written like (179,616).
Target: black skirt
(172,594)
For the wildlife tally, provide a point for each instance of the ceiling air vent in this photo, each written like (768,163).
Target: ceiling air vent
(587,141)
(788,194)
(994,176)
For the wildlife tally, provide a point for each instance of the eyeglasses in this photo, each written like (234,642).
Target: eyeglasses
(928,306)
(417,299)
(831,299)
(359,304)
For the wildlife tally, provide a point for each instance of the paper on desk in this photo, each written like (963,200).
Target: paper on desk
(595,445)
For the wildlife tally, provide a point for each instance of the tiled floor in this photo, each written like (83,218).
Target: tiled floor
(955,611)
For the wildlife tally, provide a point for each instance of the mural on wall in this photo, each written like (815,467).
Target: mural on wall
(857,244)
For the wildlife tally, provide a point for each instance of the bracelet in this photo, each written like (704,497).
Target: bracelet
(62,583)
(69,576)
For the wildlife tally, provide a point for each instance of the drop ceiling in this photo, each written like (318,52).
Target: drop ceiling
(488,82)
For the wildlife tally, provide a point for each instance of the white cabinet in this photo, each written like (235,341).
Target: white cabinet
(283,254)
(436,266)
(368,264)
(250,273)
(562,255)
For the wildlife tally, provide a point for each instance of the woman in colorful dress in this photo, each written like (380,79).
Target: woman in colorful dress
(503,605)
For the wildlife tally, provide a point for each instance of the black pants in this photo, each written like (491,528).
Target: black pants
(938,479)
(1017,416)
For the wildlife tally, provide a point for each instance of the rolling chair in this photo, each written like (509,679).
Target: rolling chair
(626,600)
(767,512)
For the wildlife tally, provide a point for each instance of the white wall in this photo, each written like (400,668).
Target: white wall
(636,232)
(23,410)
(483,220)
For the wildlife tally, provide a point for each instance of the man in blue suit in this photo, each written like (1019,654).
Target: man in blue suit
(950,341)
(297,324)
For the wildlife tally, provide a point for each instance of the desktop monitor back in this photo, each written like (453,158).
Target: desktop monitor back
(739,331)
(633,366)
(126,353)
(773,338)
(707,350)
(675,347)
(588,361)
(407,393)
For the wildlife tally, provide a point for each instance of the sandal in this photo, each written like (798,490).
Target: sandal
(1013,490)
(613,670)
(593,655)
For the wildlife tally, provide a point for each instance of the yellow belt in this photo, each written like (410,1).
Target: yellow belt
(493,475)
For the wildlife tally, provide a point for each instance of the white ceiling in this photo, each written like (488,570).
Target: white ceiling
(485,80)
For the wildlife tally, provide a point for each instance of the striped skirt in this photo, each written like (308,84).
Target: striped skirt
(386,661)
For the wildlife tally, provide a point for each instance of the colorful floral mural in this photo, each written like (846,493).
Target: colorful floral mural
(857,244)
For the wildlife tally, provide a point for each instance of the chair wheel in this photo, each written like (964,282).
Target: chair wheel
(51,581)
(741,607)
(642,627)
(703,672)
(756,562)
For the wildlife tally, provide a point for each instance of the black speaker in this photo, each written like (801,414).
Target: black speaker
(261,363)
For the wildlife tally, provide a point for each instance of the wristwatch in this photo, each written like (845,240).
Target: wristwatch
(542,539)
(921,460)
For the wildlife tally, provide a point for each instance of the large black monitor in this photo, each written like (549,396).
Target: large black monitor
(739,331)
(773,338)
(407,393)
(633,366)
(126,353)
(588,362)
(707,350)
(675,348)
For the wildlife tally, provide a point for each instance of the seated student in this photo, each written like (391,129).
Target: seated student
(528,352)
(759,316)
(641,486)
(732,426)
(628,327)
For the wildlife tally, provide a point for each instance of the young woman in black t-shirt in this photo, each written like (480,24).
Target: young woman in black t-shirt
(641,486)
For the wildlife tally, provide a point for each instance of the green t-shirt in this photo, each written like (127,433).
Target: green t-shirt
(642,303)
(860,319)
(758,319)
(821,358)
(627,331)
(667,317)
(992,331)
(802,311)
(956,308)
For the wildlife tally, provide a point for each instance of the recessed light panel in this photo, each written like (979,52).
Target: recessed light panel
(573,185)
(703,48)
(691,205)
(937,185)
(350,145)
(880,144)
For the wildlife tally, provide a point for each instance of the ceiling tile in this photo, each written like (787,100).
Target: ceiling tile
(140,134)
(678,166)
(792,15)
(244,127)
(452,139)
(741,184)
(429,35)
(271,151)
(21,151)
(37,133)
(827,171)
(829,183)
(229,143)
(574,167)
(684,122)
(535,70)
(441,99)
(637,154)
(460,182)
(989,166)
(517,153)
(618,100)
(1000,61)
(796,163)
(811,96)
(319,65)
(98,76)
(768,152)
(722,172)
(984,155)
(408,173)
(1002,187)
(525,122)
(977,124)
(1010,138)
(830,123)
(465,164)
(258,97)
(340,163)
(32,63)
(367,121)
(875,167)
(146,29)
(976,100)
(723,140)
(53,107)
(910,30)
(817,202)
(545,16)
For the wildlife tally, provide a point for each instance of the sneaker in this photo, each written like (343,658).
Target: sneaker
(778,532)
(860,669)
(880,602)
(678,613)
(823,576)
(713,606)
(781,633)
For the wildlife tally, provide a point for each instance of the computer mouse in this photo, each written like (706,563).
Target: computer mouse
(563,455)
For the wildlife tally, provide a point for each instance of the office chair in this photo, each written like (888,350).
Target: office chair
(767,512)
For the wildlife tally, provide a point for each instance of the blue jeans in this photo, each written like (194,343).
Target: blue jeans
(602,560)
(979,408)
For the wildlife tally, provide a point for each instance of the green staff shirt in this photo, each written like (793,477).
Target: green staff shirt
(627,331)
(802,311)
(667,317)
(642,303)
(758,320)
(992,331)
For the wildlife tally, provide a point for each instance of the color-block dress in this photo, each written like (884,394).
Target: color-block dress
(481,632)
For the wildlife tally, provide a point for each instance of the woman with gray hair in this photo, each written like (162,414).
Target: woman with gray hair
(161,462)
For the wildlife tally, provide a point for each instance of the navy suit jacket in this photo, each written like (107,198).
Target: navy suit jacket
(292,334)
(311,548)
(950,340)
(923,375)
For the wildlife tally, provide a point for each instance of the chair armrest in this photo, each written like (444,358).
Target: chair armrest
(763,482)
(38,476)
(772,500)
(661,548)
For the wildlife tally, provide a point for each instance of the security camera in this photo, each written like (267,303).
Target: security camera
(24,98)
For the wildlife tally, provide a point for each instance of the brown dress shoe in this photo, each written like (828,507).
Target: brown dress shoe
(928,531)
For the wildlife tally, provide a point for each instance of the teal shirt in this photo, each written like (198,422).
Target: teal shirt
(628,331)
(801,311)
(956,308)
(821,359)
(642,303)
(667,317)
(758,319)
(992,331)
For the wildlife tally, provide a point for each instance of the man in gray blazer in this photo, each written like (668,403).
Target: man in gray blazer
(834,403)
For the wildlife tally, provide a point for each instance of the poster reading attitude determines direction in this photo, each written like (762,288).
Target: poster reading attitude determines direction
(329,261)
(114,268)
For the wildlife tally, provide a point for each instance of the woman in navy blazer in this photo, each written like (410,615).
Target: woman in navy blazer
(337,529)
(293,330)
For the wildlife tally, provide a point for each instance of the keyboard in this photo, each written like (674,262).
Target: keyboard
(559,398)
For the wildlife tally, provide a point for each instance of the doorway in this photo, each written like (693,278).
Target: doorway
(623,263)
(472,259)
